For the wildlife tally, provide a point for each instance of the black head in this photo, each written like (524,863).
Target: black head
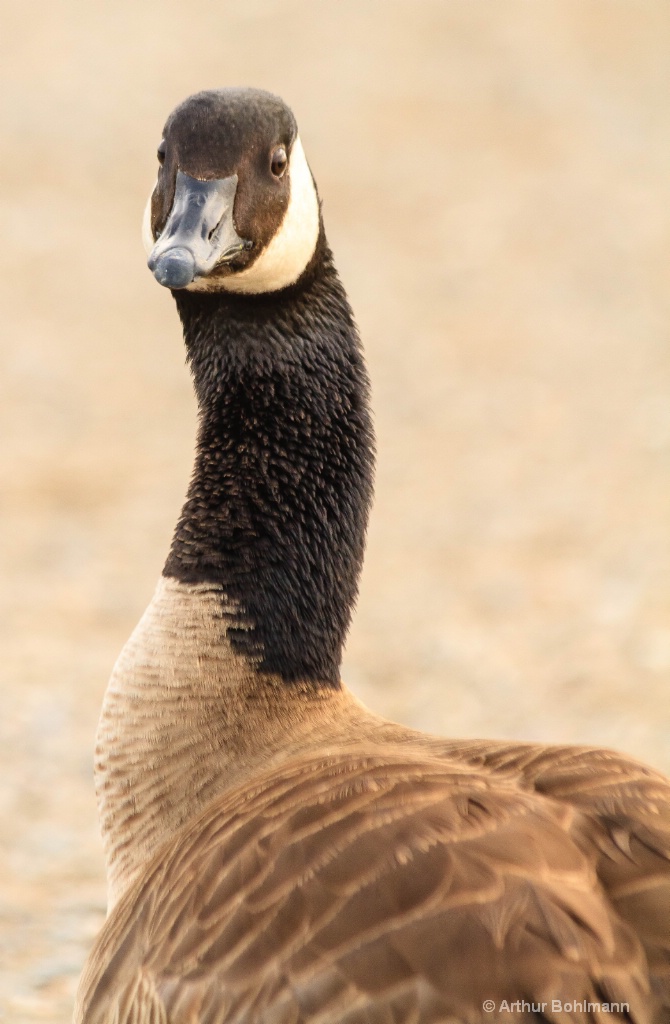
(235,207)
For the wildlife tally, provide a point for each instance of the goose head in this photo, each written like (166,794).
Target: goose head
(234,207)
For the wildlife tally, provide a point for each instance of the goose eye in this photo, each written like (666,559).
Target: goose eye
(161,151)
(278,161)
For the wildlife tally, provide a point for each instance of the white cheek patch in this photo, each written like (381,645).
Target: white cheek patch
(283,260)
(147,234)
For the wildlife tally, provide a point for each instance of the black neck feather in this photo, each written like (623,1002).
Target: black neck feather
(278,503)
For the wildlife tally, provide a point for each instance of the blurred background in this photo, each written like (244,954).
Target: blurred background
(496,185)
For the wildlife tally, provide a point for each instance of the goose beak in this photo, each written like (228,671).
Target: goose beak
(199,232)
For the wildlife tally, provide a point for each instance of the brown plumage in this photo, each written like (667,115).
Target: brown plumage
(276,853)
(403,879)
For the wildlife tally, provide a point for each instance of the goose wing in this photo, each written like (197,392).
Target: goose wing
(623,825)
(365,889)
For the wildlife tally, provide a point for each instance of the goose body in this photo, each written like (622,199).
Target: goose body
(275,851)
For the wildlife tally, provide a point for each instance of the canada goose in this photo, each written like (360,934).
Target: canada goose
(276,852)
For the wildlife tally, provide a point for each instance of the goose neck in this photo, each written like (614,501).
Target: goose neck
(277,508)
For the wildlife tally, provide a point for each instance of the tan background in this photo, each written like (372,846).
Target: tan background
(496,177)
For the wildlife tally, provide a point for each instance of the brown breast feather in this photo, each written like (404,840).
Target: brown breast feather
(403,887)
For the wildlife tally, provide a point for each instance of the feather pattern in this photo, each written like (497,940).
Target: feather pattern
(402,883)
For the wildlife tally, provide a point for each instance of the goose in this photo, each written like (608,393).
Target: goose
(276,853)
